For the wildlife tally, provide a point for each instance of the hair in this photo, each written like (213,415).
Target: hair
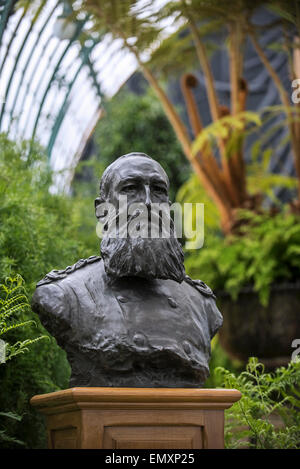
(105,179)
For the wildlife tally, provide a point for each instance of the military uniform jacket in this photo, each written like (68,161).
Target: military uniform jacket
(132,332)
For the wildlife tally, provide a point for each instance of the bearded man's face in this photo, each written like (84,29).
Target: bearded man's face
(144,243)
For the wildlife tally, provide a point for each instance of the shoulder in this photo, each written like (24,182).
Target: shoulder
(213,315)
(48,297)
(51,305)
(58,291)
(200,286)
(53,293)
(55,275)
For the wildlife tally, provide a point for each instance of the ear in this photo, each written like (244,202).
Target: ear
(98,201)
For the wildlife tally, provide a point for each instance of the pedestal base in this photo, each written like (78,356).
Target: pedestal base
(135,418)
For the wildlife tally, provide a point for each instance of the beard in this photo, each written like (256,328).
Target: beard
(149,258)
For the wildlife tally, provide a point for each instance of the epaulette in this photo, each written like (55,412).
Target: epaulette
(60,274)
(200,286)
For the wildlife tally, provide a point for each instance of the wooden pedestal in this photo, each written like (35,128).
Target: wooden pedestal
(135,418)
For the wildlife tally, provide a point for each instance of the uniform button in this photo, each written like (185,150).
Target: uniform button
(122,299)
(172,302)
(187,347)
(139,340)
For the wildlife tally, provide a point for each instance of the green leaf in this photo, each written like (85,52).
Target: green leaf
(223,128)
(11,415)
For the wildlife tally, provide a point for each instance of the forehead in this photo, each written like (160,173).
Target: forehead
(139,167)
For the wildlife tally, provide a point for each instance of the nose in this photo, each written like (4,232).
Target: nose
(147,196)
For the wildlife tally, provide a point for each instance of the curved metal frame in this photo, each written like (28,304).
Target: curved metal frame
(29,60)
(4,16)
(65,105)
(13,36)
(53,78)
(55,62)
(18,58)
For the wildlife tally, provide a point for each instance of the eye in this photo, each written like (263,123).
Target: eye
(160,189)
(129,187)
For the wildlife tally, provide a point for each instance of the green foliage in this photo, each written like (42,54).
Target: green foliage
(267,416)
(232,128)
(193,192)
(85,188)
(39,232)
(288,11)
(228,128)
(127,19)
(267,252)
(263,254)
(37,229)
(13,306)
(14,303)
(260,179)
(138,123)
(159,32)
(4,437)
(176,53)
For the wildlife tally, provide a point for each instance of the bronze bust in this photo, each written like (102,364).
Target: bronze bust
(132,317)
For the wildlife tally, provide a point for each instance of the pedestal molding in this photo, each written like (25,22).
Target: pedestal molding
(135,417)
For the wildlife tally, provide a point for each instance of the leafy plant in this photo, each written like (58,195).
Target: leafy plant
(262,183)
(13,304)
(4,437)
(268,251)
(227,127)
(267,415)
(39,232)
(192,192)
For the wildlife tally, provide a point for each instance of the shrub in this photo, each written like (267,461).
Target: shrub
(13,306)
(13,303)
(38,233)
(267,416)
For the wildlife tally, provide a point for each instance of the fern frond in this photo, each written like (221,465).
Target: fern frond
(13,304)
(11,415)
(22,346)
(6,329)
(226,128)
(249,422)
